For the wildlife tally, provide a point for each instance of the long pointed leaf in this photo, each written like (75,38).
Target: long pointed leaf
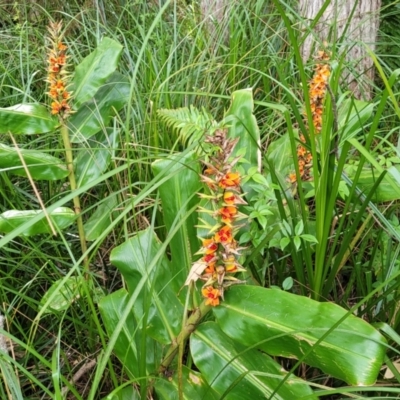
(41,165)
(178,197)
(101,218)
(134,259)
(240,373)
(93,160)
(95,114)
(289,325)
(10,220)
(126,347)
(243,124)
(94,70)
(26,119)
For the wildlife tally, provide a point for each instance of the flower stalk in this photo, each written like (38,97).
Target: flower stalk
(220,251)
(189,327)
(58,79)
(317,92)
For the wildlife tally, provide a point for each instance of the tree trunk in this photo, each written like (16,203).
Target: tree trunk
(355,34)
(216,16)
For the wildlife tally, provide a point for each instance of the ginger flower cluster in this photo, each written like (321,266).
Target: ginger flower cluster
(220,251)
(317,91)
(57,75)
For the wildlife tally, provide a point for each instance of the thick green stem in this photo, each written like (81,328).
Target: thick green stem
(77,204)
(189,328)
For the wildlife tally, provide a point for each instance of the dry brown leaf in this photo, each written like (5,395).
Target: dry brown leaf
(195,272)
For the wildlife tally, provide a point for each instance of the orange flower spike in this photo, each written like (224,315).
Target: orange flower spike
(224,235)
(230,264)
(301,151)
(210,268)
(228,214)
(62,59)
(208,258)
(60,85)
(55,107)
(212,295)
(292,177)
(61,46)
(209,246)
(229,198)
(208,181)
(54,68)
(53,93)
(57,75)
(230,180)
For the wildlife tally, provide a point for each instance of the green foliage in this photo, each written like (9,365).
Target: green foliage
(156,306)
(130,337)
(26,119)
(179,199)
(95,114)
(248,374)
(190,123)
(137,137)
(195,386)
(40,165)
(62,294)
(304,329)
(61,217)
(92,73)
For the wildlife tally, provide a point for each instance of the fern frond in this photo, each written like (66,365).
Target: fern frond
(190,124)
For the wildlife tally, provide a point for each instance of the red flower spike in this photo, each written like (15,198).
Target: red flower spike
(212,295)
(210,268)
(208,258)
(228,214)
(230,180)
(57,76)
(220,250)
(224,235)
(229,198)
(209,246)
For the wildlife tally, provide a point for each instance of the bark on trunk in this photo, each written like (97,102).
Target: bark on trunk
(216,16)
(361,30)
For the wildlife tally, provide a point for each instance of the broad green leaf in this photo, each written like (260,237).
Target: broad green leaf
(94,70)
(27,119)
(101,218)
(288,325)
(243,124)
(95,114)
(61,217)
(239,372)
(93,159)
(41,166)
(391,179)
(352,116)
(65,295)
(388,189)
(280,154)
(142,256)
(127,393)
(129,340)
(178,197)
(280,157)
(194,385)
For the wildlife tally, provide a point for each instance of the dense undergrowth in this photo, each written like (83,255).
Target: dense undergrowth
(97,318)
